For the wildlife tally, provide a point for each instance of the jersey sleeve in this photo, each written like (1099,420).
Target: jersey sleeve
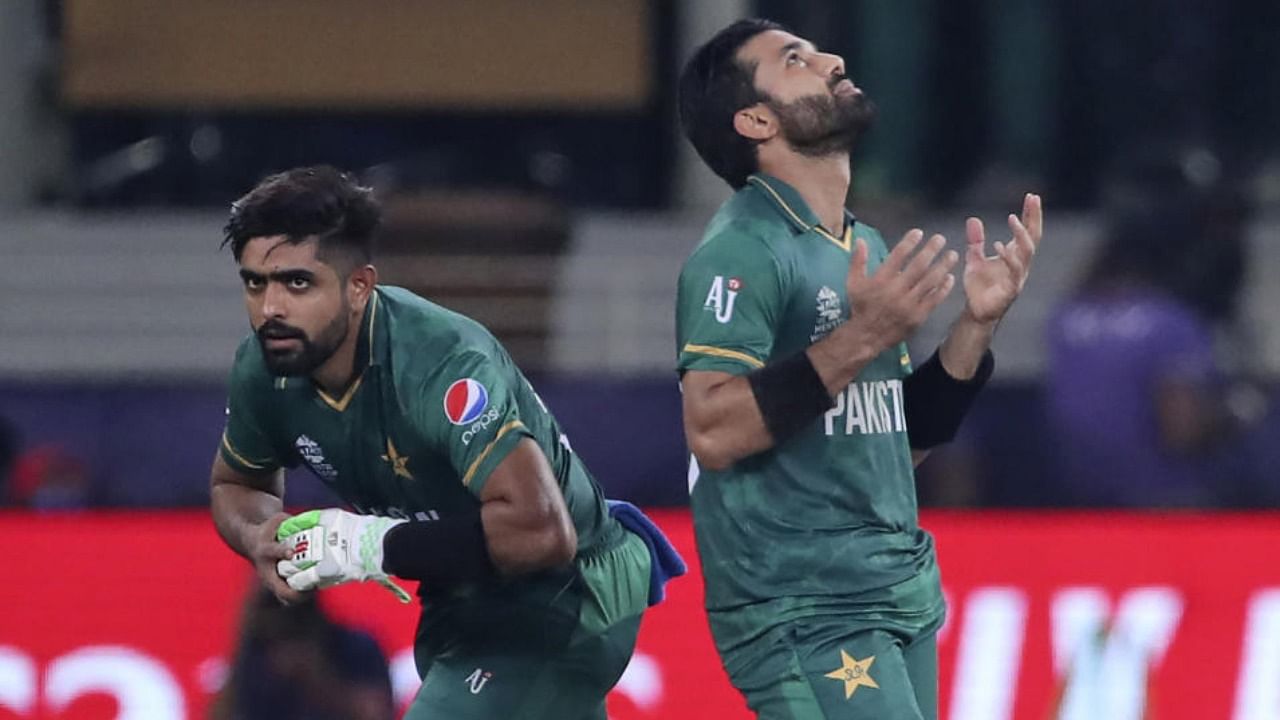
(470,412)
(730,299)
(245,446)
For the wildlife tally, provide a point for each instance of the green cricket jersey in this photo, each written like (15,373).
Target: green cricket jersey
(436,408)
(827,520)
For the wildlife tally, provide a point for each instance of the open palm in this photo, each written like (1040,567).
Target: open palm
(991,284)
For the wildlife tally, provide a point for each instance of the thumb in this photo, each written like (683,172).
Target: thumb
(858,265)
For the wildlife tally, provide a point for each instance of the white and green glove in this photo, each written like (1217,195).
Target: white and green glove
(332,547)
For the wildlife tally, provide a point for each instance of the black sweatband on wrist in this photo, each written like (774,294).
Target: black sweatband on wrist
(935,403)
(439,553)
(790,395)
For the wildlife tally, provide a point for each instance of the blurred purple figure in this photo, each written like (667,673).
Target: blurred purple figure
(1135,394)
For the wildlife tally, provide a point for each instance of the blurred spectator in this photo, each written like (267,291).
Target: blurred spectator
(1136,396)
(48,478)
(296,663)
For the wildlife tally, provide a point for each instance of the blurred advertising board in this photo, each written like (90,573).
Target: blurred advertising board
(1052,615)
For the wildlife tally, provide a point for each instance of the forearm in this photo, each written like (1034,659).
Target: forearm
(965,345)
(238,510)
(522,541)
(841,356)
(521,526)
(726,422)
(939,393)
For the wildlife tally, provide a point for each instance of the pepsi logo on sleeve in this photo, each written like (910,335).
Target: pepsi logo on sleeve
(465,401)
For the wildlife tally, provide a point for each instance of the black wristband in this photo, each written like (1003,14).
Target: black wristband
(935,403)
(790,395)
(438,553)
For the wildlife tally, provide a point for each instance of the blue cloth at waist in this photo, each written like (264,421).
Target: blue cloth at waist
(665,563)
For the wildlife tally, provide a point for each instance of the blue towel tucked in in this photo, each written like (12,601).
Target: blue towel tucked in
(666,562)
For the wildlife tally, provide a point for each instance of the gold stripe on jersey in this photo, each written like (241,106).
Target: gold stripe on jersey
(226,444)
(845,243)
(475,465)
(373,318)
(341,403)
(721,352)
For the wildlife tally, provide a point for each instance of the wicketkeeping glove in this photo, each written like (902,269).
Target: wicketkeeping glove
(333,546)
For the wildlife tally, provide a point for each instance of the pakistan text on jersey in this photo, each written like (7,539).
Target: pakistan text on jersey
(869,408)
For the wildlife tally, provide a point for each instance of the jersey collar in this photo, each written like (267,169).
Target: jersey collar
(791,206)
(370,346)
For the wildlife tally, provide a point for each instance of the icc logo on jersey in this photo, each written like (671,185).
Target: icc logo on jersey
(721,296)
(313,456)
(829,312)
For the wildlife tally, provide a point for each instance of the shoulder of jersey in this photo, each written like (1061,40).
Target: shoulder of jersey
(428,339)
(743,234)
(250,367)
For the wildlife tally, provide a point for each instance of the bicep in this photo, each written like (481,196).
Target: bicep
(223,474)
(525,519)
(697,386)
(523,478)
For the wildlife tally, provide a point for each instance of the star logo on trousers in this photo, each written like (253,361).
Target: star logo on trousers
(854,673)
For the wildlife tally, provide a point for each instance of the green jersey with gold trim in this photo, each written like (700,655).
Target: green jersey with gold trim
(437,406)
(828,518)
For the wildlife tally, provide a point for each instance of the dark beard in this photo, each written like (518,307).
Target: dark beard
(821,125)
(310,355)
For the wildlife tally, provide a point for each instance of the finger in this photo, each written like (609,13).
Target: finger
(898,256)
(938,294)
(858,265)
(937,274)
(1010,257)
(976,237)
(274,551)
(919,266)
(1022,240)
(1033,217)
(280,588)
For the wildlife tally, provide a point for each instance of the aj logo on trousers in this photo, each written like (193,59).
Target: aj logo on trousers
(477,679)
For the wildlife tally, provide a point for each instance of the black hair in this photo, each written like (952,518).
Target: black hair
(715,85)
(310,202)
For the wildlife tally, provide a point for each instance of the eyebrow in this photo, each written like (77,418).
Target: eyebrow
(283,276)
(797,45)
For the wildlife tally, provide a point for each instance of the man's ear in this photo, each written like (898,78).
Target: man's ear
(360,284)
(756,122)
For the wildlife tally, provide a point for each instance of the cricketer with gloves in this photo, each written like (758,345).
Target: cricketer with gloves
(532,584)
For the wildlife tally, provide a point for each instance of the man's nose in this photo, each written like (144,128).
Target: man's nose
(832,65)
(275,301)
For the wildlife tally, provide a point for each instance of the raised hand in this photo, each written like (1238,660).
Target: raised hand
(898,297)
(991,284)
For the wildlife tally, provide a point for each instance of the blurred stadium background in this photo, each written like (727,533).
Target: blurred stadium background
(535,179)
